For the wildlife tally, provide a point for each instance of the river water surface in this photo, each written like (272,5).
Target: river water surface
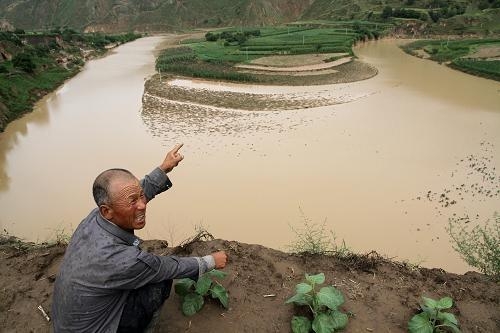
(408,149)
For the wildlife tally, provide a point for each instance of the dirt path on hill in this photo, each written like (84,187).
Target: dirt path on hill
(380,295)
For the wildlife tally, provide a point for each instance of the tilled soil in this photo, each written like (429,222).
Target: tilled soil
(380,295)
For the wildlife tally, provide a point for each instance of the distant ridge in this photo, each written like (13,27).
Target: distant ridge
(148,15)
(415,17)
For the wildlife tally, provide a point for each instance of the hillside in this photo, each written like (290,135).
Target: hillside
(380,295)
(150,15)
(422,16)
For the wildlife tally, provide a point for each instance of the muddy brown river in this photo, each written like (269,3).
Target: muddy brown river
(384,170)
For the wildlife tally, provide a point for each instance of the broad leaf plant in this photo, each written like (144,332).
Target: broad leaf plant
(323,304)
(432,319)
(193,293)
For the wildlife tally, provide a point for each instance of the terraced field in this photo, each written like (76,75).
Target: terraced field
(216,57)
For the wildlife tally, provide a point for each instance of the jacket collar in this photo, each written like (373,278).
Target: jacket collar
(115,230)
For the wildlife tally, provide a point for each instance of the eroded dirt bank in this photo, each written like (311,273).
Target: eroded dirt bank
(381,295)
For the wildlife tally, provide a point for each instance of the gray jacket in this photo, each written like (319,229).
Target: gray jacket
(104,262)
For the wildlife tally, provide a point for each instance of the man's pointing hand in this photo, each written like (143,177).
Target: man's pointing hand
(172,159)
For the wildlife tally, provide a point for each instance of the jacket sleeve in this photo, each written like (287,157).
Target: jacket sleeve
(155,183)
(148,268)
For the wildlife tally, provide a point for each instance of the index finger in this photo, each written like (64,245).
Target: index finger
(177,147)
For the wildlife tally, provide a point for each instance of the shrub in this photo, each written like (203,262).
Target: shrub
(316,239)
(478,246)
(25,62)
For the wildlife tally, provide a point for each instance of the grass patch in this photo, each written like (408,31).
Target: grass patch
(20,245)
(456,53)
(19,90)
(489,69)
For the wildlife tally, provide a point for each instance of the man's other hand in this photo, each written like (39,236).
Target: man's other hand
(220,259)
(172,159)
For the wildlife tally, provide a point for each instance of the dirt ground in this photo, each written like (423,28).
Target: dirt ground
(487,52)
(380,295)
(310,64)
(296,60)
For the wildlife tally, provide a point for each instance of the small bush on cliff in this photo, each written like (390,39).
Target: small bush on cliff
(315,238)
(478,246)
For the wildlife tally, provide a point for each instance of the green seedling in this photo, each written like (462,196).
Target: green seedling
(323,305)
(432,319)
(193,293)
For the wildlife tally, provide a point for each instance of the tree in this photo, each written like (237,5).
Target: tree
(25,62)
(434,15)
(211,37)
(387,12)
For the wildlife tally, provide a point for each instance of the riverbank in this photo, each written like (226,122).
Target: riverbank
(380,295)
(35,64)
(479,57)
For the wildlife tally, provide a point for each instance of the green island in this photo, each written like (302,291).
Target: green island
(252,54)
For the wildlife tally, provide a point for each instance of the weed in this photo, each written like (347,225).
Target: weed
(193,292)
(478,246)
(323,305)
(432,319)
(316,238)
(61,238)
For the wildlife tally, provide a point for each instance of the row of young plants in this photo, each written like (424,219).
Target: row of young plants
(323,303)
(486,68)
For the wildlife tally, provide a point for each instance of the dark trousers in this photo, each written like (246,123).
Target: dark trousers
(141,304)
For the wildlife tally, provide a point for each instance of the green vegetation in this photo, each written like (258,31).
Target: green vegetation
(416,17)
(42,61)
(60,238)
(433,319)
(478,246)
(215,57)
(323,306)
(193,293)
(485,68)
(313,238)
(459,54)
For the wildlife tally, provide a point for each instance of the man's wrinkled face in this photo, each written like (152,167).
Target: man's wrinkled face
(128,204)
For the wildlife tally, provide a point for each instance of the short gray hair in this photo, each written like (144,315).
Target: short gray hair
(100,188)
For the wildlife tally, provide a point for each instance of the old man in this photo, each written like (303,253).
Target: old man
(106,283)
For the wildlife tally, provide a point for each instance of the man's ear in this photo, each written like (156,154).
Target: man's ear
(106,212)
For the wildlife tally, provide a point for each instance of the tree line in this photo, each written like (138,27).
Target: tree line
(238,37)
